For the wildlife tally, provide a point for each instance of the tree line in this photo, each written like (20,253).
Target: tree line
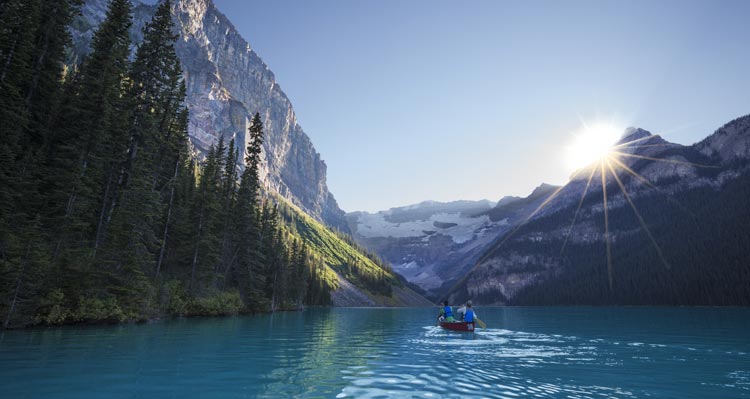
(104,213)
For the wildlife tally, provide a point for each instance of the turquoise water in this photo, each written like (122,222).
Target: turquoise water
(371,353)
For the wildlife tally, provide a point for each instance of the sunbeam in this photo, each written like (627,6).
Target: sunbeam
(663,160)
(606,224)
(645,181)
(631,142)
(531,215)
(575,216)
(638,215)
(627,145)
(634,173)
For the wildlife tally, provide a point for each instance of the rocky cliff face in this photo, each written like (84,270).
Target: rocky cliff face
(227,83)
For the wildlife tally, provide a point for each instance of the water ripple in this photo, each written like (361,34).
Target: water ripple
(383,353)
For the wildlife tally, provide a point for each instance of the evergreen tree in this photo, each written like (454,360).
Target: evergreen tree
(181,168)
(179,248)
(138,210)
(204,214)
(42,88)
(18,24)
(33,37)
(158,94)
(90,135)
(270,251)
(248,220)
(228,203)
(24,284)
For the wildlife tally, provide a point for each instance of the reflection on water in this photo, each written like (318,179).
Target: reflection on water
(371,353)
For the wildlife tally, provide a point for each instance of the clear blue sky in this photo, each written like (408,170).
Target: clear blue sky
(443,100)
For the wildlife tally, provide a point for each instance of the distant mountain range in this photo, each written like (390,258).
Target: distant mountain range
(677,218)
(433,244)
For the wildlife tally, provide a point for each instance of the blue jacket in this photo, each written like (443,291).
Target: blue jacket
(469,316)
(447,312)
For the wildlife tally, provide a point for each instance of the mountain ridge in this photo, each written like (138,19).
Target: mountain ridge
(669,184)
(433,243)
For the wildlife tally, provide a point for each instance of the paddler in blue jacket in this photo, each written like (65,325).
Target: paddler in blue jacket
(446,313)
(470,316)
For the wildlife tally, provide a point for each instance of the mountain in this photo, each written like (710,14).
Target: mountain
(433,244)
(427,243)
(515,208)
(227,82)
(729,144)
(677,218)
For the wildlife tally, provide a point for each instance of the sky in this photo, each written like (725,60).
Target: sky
(441,100)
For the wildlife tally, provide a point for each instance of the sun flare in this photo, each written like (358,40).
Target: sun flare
(592,143)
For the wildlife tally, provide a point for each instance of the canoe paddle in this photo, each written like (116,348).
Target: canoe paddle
(480,322)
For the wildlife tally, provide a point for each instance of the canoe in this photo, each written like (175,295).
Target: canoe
(458,326)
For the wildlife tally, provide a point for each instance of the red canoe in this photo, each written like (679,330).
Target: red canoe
(458,326)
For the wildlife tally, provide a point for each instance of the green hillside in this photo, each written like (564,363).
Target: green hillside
(340,254)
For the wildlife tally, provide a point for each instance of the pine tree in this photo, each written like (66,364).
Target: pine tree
(138,210)
(91,133)
(18,24)
(33,37)
(228,203)
(181,236)
(270,253)
(42,96)
(181,168)
(294,274)
(156,86)
(205,216)
(25,284)
(248,219)
(41,90)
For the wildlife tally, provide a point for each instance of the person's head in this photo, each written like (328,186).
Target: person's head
(468,304)
(445,303)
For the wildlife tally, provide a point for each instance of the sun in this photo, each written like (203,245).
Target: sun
(600,150)
(592,143)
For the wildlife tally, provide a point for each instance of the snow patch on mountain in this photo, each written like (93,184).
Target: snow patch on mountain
(460,228)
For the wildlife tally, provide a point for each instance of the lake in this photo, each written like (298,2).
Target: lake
(564,352)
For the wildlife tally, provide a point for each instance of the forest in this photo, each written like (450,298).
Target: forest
(106,213)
